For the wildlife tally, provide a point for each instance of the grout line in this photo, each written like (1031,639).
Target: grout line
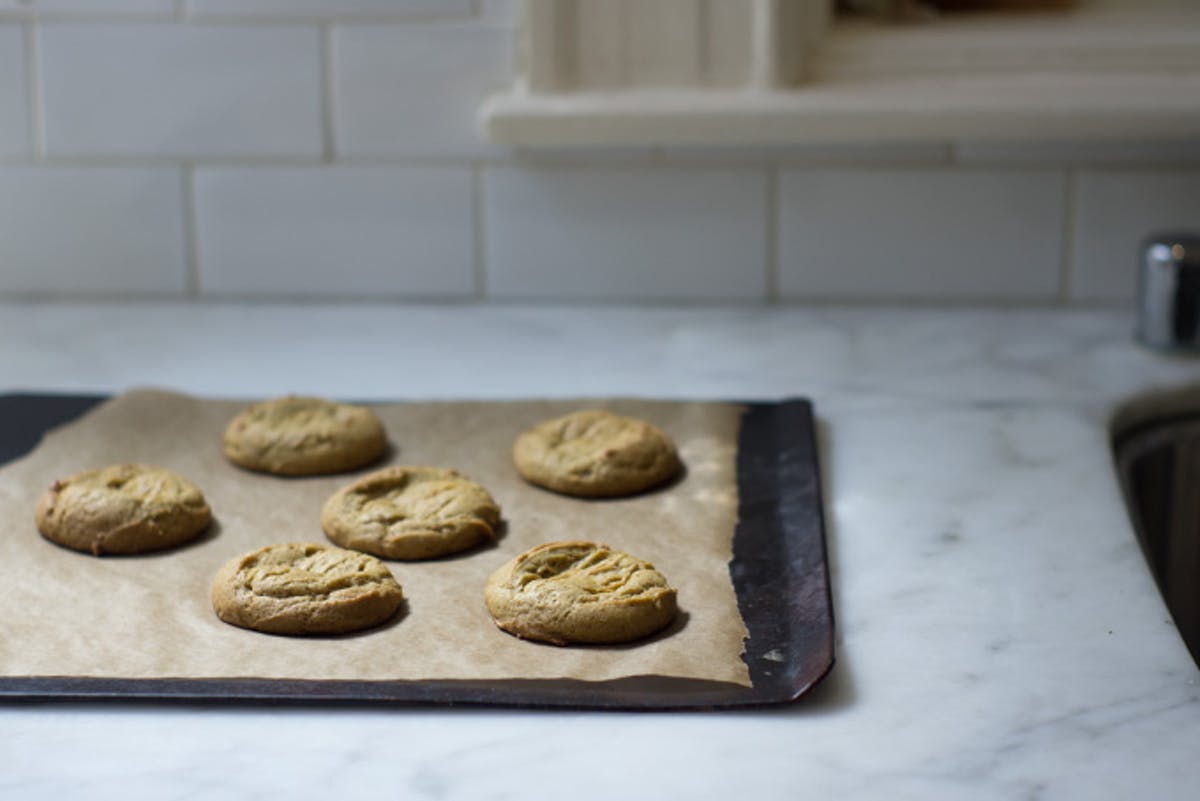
(85,17)
(191,256)
(33,89)
(478,232)
(645,157)
(328,98)
(1070,212)
(100,297)
(380,161)
(657,156)
(816,302)
(175,161)
(654,158)
(182,11)
(772,234)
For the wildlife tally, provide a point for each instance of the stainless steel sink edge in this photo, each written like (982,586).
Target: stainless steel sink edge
(1156,450)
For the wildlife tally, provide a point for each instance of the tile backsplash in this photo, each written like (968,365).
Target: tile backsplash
(329,149)
(14,104)
(102,230)
(621,233)
(165,90)
(334,230)
(964,233)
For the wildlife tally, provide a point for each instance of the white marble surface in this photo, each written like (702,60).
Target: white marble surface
(999,636)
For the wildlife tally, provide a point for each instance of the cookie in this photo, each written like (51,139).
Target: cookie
(301,588)
(579,592)
(122,509)
(296,436)
(594,453)
(410,513)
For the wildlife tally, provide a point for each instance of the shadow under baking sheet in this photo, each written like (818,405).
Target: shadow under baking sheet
(779,573)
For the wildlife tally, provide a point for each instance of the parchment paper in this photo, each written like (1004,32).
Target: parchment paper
(64,613)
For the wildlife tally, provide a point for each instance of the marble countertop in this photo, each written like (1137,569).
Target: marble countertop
(999,635)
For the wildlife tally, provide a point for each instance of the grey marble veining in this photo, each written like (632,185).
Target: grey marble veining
(999,635)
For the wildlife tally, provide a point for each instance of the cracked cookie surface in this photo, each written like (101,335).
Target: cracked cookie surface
(300,436)
(411,513)
(122,509)
(579,592)
(305,588)
(595,453)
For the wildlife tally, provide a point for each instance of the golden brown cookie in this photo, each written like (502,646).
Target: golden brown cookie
(302,588)
(594,453)
(297,436)
(579,592)
(410,513)
(122,509)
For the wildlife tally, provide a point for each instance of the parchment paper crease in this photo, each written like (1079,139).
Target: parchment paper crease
(69,614)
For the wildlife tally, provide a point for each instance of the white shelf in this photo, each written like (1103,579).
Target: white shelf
(1004,107)
(1094,73)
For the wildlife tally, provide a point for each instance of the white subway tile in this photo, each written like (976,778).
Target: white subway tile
(625,234)
(331,8)
(339,231)
(181,90)
(93,230)
(935,234)
(14,105)
(90,6)
(505,12)
(415,90)
(1114,212)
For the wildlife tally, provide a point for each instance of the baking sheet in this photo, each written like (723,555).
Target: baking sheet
(122,626)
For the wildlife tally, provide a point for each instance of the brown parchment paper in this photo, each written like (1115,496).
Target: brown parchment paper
(64,613)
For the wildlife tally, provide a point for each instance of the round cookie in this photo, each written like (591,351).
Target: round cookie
(302,588)
(594,453)
(410,513)
(579,592)
(297,436)
(122,509)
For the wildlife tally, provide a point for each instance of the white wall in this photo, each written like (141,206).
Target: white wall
(328,149)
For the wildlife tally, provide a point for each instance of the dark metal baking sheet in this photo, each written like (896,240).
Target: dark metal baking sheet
(779,571)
